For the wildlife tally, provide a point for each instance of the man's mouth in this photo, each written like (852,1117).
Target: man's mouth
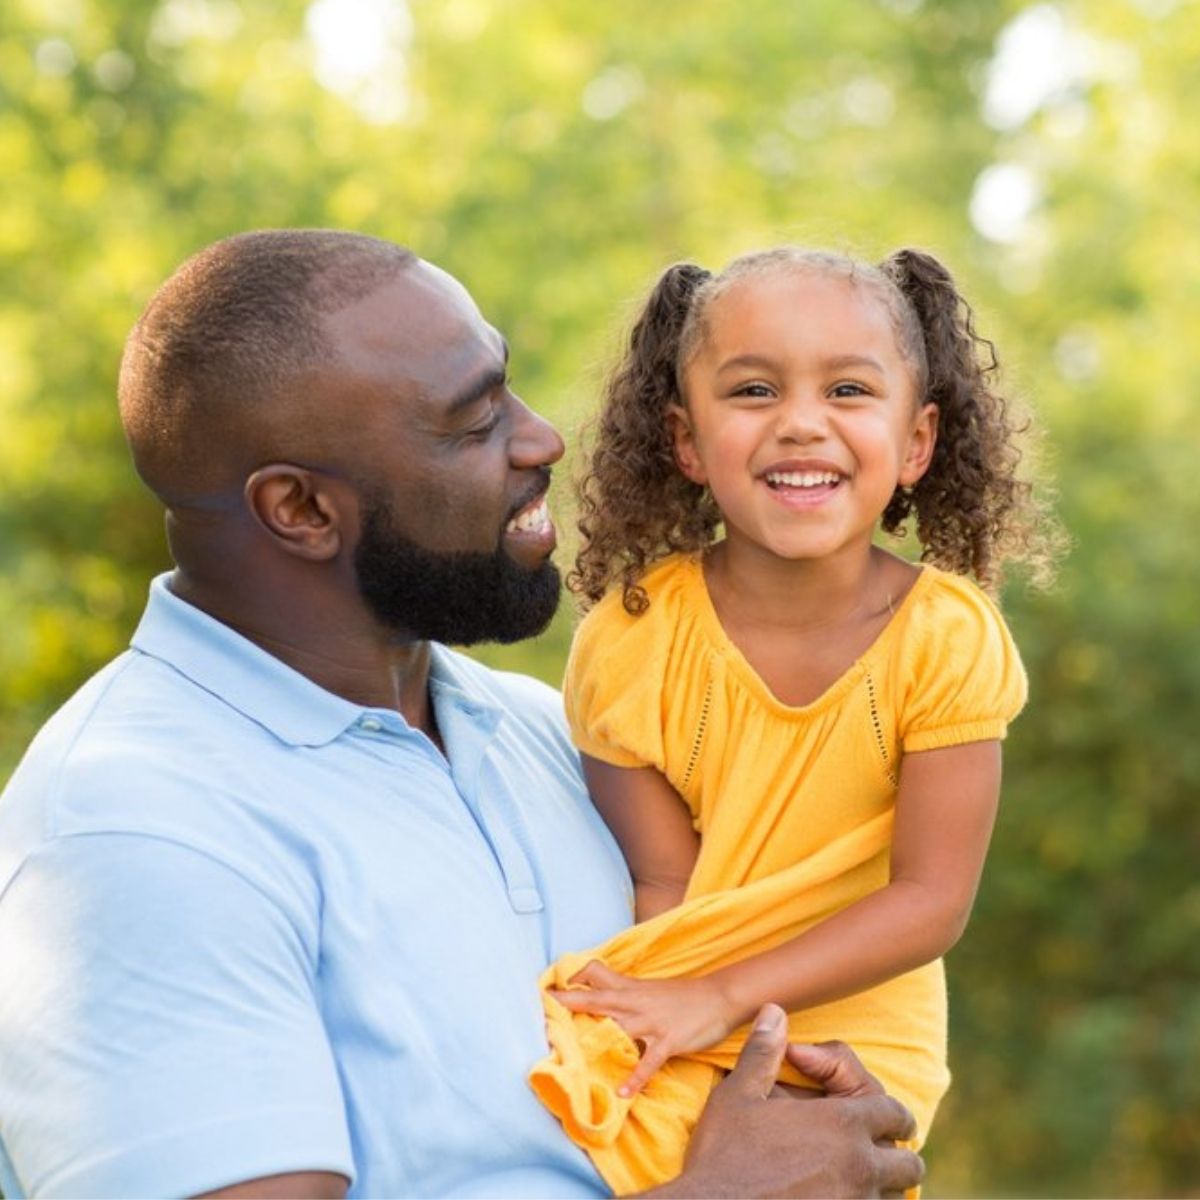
(534,518)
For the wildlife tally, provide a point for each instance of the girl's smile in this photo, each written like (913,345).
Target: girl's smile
(803,483)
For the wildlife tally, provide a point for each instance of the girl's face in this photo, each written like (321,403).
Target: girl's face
(800,414)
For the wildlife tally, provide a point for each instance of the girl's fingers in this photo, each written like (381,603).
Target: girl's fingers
(653,1057)
(588,1002)
(597,975)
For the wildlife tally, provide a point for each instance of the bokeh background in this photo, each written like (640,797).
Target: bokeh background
(555,155)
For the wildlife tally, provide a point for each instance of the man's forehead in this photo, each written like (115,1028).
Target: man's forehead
(422,323)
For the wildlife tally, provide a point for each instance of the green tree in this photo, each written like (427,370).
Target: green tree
(556,156)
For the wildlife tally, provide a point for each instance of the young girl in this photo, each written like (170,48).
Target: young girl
(793,734)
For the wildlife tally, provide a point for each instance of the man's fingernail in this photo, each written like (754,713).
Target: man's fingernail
(769,1019)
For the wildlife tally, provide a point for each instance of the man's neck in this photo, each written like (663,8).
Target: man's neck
(346,653)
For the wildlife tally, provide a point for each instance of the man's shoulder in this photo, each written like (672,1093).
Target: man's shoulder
(83,721)
(136,717)
(138,747)
(76,748)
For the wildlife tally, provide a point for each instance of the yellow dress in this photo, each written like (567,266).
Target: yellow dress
(794,806)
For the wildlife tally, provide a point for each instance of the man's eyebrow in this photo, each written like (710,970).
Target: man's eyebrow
(489,381)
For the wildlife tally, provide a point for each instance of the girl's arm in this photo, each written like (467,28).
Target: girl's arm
(944,815)
(653,828)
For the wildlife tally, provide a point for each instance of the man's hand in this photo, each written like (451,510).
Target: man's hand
(755,1139)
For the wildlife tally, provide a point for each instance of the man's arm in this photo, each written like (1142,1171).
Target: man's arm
(756,1139)
(296,1185)
(160,1035)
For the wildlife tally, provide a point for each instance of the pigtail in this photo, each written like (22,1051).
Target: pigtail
(973,511)
(635,504)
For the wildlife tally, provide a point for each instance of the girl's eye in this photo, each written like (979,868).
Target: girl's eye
(842,390)
(754,390)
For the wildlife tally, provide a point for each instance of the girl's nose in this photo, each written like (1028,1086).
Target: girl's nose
(801,419)
(534,442)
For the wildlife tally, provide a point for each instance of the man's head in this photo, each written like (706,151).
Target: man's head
(324,411)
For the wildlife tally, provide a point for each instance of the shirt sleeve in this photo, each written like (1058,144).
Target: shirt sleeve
(159,1032)
(963,678)
(612,691)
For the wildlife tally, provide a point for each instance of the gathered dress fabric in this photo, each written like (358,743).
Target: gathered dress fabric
(794,806)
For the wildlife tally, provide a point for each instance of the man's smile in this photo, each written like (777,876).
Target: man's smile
(531,530)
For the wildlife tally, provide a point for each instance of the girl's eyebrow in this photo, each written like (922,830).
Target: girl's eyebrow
(854,360)
(836,362)
(746,360)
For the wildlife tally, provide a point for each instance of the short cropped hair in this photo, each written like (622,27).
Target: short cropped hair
(227,333)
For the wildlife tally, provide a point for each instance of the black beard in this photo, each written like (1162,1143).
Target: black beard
(458,597)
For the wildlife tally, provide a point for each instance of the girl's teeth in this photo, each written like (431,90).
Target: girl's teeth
(802,478)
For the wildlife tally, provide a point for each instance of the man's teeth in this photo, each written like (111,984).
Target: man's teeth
(802,478)
(531,520)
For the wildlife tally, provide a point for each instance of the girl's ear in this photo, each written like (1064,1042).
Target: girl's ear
(921,441)
(683,439)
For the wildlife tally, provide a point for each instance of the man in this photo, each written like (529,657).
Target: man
(277,883)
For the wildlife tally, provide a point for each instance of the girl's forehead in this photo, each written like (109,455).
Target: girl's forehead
(793,299)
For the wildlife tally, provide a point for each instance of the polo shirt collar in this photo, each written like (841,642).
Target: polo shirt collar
(231,667)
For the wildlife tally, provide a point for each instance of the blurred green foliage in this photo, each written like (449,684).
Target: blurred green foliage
(555,156)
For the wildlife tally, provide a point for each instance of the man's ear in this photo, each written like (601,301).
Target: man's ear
(683,438)
(296,507)
(921,442)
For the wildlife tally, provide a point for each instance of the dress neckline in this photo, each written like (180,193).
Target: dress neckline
(710,622)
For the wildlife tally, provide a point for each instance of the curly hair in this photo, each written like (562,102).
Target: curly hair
(974,512)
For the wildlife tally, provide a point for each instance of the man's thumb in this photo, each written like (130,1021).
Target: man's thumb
(757,1067)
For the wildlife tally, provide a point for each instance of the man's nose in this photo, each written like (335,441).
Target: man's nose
(534,442)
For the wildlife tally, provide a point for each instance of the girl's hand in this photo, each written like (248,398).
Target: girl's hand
(664,1016)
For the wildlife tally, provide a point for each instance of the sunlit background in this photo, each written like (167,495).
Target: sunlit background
(555,155)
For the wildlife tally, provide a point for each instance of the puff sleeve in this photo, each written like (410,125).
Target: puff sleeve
(612,691)
(962,677)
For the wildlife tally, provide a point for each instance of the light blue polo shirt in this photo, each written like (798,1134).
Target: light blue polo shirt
(248,927)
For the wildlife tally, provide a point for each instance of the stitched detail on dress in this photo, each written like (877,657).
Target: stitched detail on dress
(697,744)
(877,725)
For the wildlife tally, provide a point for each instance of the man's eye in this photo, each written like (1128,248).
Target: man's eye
(482,431)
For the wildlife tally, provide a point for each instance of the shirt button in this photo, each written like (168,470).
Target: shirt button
(370,724)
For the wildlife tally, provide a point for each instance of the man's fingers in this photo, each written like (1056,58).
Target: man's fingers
(835,1067)
(758,1064)
(897,1169)
(886,1119)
